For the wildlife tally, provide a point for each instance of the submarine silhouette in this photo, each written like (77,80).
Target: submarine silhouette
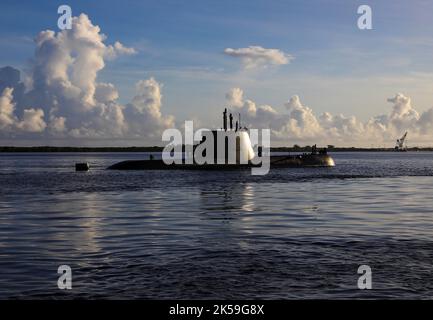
(243,155)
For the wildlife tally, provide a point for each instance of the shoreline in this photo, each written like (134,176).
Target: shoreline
(6,149)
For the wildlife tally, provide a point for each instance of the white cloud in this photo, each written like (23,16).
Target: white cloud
(65,99)
(32,120)
(403,115)
(148,98)
(7,108)
(301,125)
(57,124)
(235,97)
(144,111)
(106,92)
(257,56)
(119,49)
(63,82)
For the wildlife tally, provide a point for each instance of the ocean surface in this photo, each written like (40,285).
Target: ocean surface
(294,233)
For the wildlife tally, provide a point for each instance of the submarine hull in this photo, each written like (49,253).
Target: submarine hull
(307,160)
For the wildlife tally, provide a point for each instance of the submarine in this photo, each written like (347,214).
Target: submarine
(243,155)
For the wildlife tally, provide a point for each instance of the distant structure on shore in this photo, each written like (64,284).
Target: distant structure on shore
(401,144)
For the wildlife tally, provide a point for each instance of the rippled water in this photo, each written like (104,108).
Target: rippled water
(295,233)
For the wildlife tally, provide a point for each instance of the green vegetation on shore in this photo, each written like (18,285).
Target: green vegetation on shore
(81,149)
(295,148)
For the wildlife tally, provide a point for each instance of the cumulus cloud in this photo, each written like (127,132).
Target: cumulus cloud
(62,97)
(57,124)
(403,115)
(257,56)
(235,97)
(144,111)
(7,108)
(70,101)
(106,92)
(301,125)
(117,49)
(303,122)
(32,119)
(148,98)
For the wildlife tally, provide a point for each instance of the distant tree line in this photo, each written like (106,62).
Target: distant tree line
(295,148)
(81,149)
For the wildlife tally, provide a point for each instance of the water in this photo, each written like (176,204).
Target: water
(295,233)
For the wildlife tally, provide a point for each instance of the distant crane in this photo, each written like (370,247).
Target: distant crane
(401,143)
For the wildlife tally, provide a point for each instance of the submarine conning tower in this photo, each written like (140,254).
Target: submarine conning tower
(230,145)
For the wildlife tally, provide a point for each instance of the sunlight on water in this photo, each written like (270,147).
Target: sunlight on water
(179,234)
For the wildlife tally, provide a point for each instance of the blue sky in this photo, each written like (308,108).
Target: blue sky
(336,67)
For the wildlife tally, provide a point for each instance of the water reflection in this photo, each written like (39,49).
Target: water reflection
(227,200)
(180,234)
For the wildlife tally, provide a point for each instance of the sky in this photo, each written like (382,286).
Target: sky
(301,68)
